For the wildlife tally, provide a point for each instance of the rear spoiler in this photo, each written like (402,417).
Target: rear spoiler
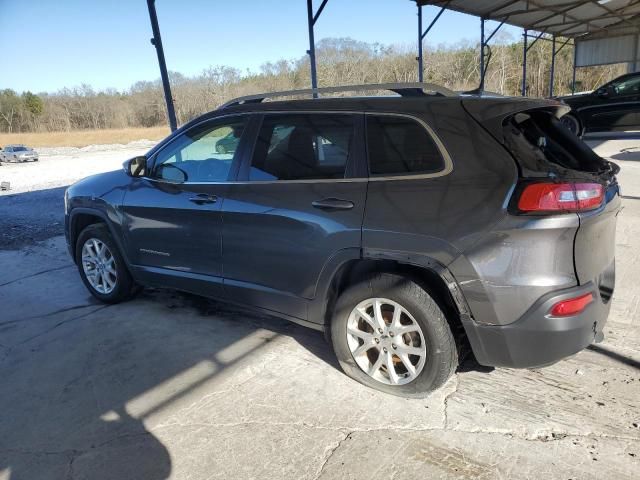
(492,115)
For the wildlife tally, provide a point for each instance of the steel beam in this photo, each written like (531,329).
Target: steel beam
(484,42)
(156,41)
(421,37)
(312,18)
(524,63)
(575,62)
(482,45)
(553,66)
(535,40)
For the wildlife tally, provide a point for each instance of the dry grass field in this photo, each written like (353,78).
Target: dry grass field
(82,138)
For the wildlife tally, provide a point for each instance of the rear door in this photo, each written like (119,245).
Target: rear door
(298,202)
(172,217)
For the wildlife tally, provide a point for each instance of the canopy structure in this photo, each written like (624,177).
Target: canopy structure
(601,31)
(562,18)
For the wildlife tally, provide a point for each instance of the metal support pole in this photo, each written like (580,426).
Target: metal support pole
(311,21)
(420,66)
(553,65)
(422,35)
(524,63)
(482,43)
(575,61)
(635,66)
(156,41)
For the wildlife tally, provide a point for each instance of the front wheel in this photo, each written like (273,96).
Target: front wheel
(390,334)
(101,265)
(572,123)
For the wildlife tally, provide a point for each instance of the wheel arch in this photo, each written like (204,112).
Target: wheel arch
(432,276)
(81,218)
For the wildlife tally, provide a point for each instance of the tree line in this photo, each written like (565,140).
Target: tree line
(341,61)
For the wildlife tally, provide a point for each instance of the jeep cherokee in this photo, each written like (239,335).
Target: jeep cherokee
(398,225)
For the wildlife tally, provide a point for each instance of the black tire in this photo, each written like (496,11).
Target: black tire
(442,354)
(125,287)
(572,123)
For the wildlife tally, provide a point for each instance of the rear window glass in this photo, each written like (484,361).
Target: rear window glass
(538,138)
(302,147)
(400,146)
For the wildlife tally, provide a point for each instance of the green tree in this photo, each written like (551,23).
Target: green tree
(33,103)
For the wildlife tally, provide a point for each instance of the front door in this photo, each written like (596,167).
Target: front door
(616,106)
(173,218)
(295,205)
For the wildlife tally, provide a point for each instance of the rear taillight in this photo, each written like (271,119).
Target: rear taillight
(560,197)
(572,306)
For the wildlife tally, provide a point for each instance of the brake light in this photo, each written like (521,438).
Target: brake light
(554,197)
(573,306)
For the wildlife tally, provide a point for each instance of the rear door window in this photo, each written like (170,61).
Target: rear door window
(401,146)
(302,147)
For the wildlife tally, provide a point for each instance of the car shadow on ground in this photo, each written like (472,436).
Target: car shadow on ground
(81,386)
(628,154)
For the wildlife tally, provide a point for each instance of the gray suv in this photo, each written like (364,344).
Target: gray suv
(403,227)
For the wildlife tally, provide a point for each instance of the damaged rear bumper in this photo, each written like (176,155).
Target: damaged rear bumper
(537,338)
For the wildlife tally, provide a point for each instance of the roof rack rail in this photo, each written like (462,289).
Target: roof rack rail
(402,89)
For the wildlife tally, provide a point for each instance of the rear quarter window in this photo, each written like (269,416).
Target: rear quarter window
(538,140)
(401,146)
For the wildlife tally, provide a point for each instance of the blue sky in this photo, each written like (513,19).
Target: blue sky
(49,44)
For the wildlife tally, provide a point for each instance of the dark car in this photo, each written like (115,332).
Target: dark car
(613,107)
(402,227)
(18,154)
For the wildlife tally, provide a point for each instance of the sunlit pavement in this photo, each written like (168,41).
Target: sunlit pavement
(172,386)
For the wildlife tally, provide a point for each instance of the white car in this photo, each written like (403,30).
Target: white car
(18,154)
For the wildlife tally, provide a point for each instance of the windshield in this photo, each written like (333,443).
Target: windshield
(19,149)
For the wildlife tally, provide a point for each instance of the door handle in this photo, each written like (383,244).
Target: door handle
(203,199)
(333,204)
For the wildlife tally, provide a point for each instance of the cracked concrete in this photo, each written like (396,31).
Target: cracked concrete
(172,386)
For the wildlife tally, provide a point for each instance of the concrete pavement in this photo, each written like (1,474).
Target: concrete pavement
(174,386)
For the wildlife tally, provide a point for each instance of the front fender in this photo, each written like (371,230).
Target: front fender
(110,217)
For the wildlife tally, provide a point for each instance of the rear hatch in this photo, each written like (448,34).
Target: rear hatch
(548,154)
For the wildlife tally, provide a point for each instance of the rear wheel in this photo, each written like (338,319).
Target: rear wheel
(390,334)
(101,266)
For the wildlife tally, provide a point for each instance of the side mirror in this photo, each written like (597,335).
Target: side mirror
(602,93)
(136,166)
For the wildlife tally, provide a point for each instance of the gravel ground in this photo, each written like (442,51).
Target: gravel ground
(33,210)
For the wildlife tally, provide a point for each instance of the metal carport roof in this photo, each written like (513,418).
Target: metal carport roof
(563,18)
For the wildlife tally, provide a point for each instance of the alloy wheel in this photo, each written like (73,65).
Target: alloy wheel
(386,341)
(99,266)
